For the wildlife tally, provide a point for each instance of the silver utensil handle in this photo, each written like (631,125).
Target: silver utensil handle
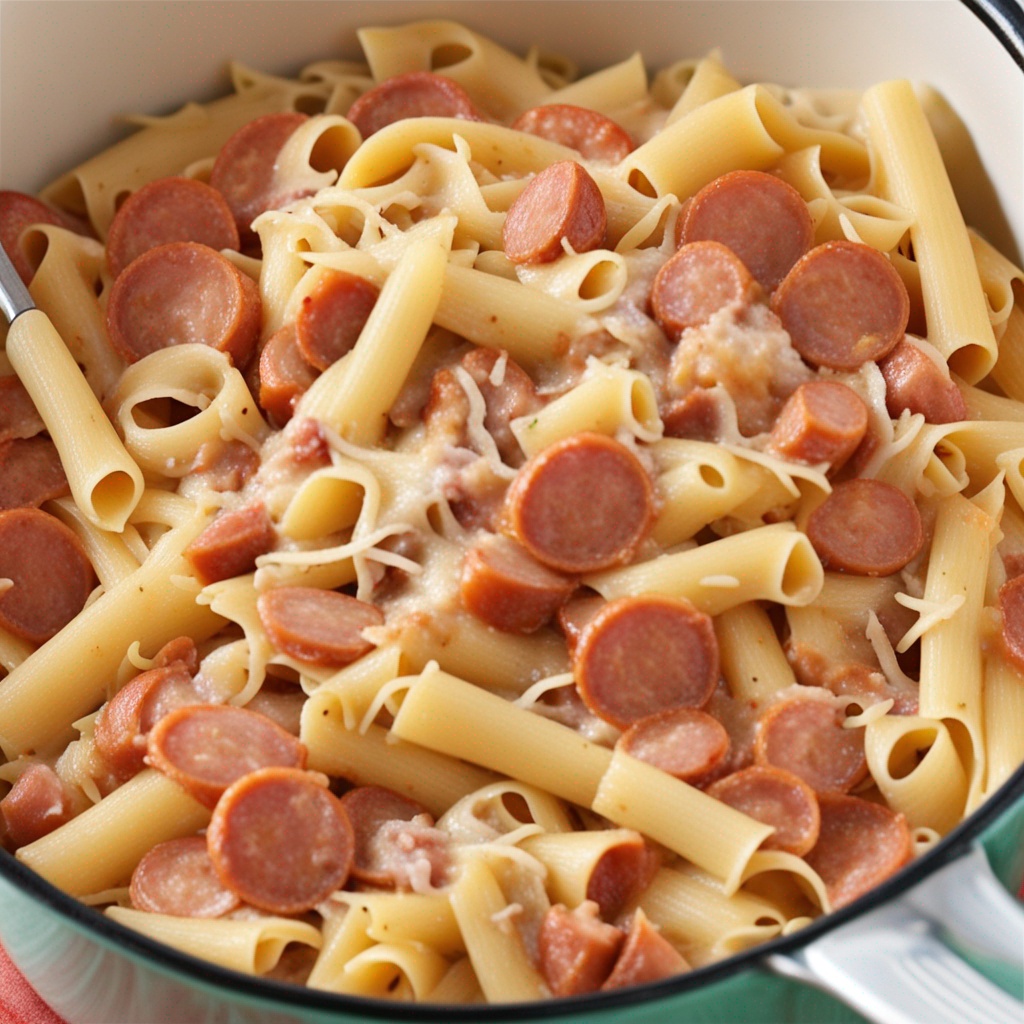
(14,296)
(893,967)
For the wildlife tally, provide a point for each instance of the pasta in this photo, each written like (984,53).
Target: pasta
(480,534)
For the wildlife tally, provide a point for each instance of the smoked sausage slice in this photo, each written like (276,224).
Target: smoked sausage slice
(562,202)
(642,655)
(621,873)
(592,135)
(124,722)
(842,304)
(30,473)
(1011,607)
(761,218)
(37,803)
(577,950)
(506,587)
(778,798)
(576,613)
(207,747)
(183,293)
(683,742)
(860,845)
(413,94)
(17,212)
(230,545)
(695,283)
(806,737)
(245,171)
(18,415)
(332,315)
(822,421)
(583,504)
(866,527)
(646,956)
(176,877)
(50,570)
(321,627)
(169,210)
(914,382)
(285,375)
(280,840)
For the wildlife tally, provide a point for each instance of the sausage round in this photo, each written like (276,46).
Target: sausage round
(683,742)
(761,218)
(576,950)
(777,798)
(207,747)
(280,840)
(621,873)
(230,545)
(643,655)
(30,473)
(177,877)
(822,421)
(505,586)
(244,172)
(19,418)
(583,504)
(285,375)
(842,304)
(331,317)
(695,283)
(592,135)
(806,737)
(50,570)
(183,293)
(646,956)
(17,212)
(321,627)
(562,203)
(37,803)
(861,843)
(1011,608)
(576,613)
(169,210)
(866,527)
(914,382)
(413,94)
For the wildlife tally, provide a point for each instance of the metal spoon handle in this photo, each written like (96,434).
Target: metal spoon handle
(14,296)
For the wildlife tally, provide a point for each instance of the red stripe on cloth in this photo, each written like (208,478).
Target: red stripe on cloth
(19,1004)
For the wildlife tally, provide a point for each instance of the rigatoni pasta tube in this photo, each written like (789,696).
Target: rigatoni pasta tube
(700,828)
(753,662)
(104,479)
(99,849)
(449,715)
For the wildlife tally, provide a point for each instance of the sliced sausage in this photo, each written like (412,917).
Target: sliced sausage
(843,304)
(562,203)
(866,527)
(806,737)
(621,873)
(280,840)
(446,412)
(583,504)
(321,627)
(183,293)
(914,382)
(17,212)
(642,655)
(285,375)
(577,950)
(698,416)
(309,443)
(592,135)
(576,613)
(1011,607)
(50,570)
(230,545)
(739,717)
(283,706)
(396,843)
(207,747)
(860,845)
(124,722)
(505,586)
(244,171)
(179,651)
(169,210)
(37,803)
(225,465)
(761,218)
(30,473)
(414,94)
(684,742)
(332,316)
(645,956)
(695,283)
(822,421)
(177,878)
(777,798)
(19,417)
